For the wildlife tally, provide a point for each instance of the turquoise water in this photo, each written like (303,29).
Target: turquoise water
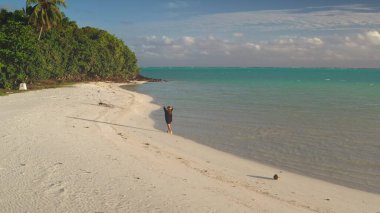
(323,123)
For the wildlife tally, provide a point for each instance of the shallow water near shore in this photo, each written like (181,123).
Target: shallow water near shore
(323,123)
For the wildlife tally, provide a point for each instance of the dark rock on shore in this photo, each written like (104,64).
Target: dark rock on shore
(143,78)
(275,177)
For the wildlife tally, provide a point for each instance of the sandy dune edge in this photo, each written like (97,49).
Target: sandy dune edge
(62,152)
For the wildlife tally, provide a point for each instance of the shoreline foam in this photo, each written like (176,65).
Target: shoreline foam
(61,151)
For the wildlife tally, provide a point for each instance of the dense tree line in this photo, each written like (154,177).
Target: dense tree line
(67,53)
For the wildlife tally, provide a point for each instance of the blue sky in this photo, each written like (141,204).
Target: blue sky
(295,33)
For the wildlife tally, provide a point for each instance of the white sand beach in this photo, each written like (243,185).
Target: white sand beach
(60,151)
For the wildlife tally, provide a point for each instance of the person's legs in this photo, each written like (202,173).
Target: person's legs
(170,129)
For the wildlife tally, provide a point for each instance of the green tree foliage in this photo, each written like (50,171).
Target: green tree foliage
(19,53)
(45,14)
(66,53)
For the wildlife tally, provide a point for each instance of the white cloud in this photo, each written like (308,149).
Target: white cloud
(364,40)
(167,40)
(286,41)
(252,45)
(238,34)
(315,41)
(336,51)
(211,37)
(151,38)
(147,47)
(338,37)
(373,37)
(269,23)
(188,40)
(279,21)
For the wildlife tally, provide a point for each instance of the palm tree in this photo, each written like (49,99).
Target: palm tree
(45,14)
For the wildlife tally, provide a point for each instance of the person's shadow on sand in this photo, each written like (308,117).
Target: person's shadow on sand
(260,177)
(103,122)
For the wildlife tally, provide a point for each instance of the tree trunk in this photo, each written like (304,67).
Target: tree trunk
(39,37)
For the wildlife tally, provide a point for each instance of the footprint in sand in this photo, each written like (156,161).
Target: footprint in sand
(122,136)
(56,188)
(85,171)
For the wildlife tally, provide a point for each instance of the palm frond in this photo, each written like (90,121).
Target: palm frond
(46,13)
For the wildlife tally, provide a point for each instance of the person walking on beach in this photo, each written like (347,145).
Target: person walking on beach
(168,118)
